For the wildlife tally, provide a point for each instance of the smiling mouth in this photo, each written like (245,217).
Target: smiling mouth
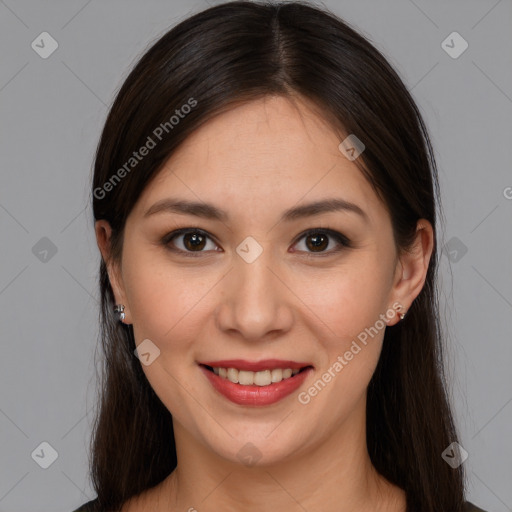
(259,378)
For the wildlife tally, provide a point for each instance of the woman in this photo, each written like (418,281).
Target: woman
(264,197)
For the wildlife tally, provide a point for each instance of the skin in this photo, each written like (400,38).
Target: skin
(256,161)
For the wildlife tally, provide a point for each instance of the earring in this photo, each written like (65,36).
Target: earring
(119,309)
(402,315)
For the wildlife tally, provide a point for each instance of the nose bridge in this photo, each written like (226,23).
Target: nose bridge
(254,303)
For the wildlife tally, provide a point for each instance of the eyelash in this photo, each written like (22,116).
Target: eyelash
(338,237)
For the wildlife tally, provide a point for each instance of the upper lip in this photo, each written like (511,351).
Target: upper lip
(255,366)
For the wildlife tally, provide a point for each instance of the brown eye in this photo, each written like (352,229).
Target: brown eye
(318,240)
(189,241)
(194,241)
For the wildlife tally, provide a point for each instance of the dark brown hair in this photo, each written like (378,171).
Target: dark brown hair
(213,61)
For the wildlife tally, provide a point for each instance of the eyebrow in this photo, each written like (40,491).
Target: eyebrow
(209,211)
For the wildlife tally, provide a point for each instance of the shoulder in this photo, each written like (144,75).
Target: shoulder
(132,504)
(469,507)
(90,506)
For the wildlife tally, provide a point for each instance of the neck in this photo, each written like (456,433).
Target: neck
(334,475)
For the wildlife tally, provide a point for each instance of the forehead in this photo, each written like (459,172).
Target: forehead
(265,155)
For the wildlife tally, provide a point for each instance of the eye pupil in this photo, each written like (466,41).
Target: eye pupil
(197,240)
(318,241)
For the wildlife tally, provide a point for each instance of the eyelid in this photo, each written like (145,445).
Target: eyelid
(339,237)
(342,240)
(166,240)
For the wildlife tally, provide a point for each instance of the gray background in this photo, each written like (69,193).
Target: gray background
(52,111)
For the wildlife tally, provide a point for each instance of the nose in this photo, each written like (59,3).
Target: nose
(255,302)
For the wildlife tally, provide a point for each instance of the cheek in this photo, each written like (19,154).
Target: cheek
(167,307)
(166,303)
(345,302)
(347,306)
(350,330)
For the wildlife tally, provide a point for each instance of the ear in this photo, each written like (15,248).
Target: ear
(103,239)
(411,269)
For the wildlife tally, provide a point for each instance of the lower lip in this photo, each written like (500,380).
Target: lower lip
(256,395)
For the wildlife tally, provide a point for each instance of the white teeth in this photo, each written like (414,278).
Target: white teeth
(233,375)
(261,378)
(277,375)
(244,377)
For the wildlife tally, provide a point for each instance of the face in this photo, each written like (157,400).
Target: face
(250,284)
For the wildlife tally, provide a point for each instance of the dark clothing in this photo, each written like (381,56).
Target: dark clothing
(90,506)
(472,508)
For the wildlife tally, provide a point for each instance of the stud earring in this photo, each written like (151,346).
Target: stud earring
(119,309)
(402,315)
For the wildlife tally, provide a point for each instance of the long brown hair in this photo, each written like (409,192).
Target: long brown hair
(214,60)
